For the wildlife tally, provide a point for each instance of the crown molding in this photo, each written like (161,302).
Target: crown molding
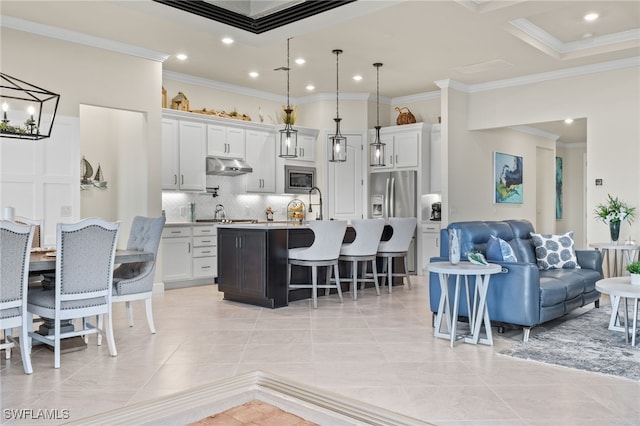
(426,96)
(535,132)
(572,145)
(80,38)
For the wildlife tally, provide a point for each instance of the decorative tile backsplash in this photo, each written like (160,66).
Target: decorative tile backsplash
(237,204)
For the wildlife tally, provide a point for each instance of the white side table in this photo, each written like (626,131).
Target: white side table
(617,288)
(628,251)
(478,313)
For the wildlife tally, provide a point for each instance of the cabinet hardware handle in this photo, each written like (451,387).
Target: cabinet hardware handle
(206,241)
(396,158)
(206,267)
(189,248)
(181,179)
(176,232)
(437,241)
(175,179)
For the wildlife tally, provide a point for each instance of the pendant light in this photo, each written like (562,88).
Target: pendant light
(288,135)
(338,142)
(377,147)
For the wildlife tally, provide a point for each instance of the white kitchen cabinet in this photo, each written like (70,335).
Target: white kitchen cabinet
(436,166)
(261,155)
(430,243)
(183,152)
(306,148)
(403,146)
(205,262)
(224,141)
(177,248)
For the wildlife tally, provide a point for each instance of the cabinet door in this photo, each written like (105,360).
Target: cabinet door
(253,246)
(170,154)
(235,142)
(229,266)
(306,148)
(177,264)
(405,149)
(436,166)
(388,152)
(216,140)
(261,155)
(192,156)
(430,246)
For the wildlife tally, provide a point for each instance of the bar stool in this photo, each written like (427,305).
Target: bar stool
(363,249)
(324,251)
(397,246)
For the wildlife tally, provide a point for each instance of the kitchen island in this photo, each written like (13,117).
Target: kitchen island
(252,262)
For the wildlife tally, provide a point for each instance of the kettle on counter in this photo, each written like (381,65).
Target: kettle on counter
(219,213)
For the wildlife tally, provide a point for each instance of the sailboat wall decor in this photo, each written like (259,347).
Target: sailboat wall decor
(98,180)
(87,179)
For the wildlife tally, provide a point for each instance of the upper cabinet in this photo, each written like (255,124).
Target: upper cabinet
(306,147)
(224,141)
(183,152)
(261,156)
(404,146)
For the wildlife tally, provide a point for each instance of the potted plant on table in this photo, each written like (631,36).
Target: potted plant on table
(613,212)
(634,270)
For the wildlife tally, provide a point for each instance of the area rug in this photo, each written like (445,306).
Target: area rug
(583,343)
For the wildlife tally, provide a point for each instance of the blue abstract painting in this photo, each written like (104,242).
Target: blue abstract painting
(559,179)
(507,173)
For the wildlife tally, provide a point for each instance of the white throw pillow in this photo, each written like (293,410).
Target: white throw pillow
(555,251)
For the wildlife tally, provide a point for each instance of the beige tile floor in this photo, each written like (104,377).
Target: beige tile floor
(379,349)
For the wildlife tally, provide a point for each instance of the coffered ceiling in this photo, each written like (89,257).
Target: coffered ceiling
(475,42)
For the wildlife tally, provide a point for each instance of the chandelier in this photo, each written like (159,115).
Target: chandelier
(377,146)
(288,135)
(338,142)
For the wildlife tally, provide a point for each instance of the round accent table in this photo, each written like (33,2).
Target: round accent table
(476,305)
(628,254)
(620,288)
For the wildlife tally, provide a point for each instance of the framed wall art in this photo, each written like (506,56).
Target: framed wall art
(507,178)
(559,179)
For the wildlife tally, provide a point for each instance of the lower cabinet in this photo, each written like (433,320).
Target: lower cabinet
(249,259)
(430,243)
(189,255)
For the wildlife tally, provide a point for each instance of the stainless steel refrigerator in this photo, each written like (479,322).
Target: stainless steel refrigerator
(393,194)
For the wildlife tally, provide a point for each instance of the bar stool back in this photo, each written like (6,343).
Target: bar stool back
(324,251)
(397,246)
(363,249)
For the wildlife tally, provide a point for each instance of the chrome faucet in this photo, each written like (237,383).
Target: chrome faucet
(315,188)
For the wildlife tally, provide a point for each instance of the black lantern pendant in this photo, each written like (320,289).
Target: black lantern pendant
(338,142)
(377,146)
(288,135)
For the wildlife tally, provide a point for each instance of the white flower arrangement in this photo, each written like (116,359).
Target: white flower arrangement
(614,211)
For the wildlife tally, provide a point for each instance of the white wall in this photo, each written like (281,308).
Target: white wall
(611,103)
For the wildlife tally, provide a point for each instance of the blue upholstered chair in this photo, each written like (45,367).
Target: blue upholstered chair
(85,253)
(134,281)
(15,247)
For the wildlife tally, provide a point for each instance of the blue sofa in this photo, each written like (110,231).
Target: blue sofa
(522,295)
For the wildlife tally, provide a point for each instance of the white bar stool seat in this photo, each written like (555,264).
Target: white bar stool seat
(363,249)
(324,251)
(397,246)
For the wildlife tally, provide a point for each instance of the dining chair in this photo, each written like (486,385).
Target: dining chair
(324,251)
(362,250)
(15,247)
(134,281)
(397,246)
(85,254)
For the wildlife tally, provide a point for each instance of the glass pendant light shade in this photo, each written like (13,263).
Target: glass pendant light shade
(376,148)
(338,142)
(288,135)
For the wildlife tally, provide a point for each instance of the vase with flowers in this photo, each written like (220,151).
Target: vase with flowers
(613,212)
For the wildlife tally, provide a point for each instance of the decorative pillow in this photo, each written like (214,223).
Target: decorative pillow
(499,250)
(555,251)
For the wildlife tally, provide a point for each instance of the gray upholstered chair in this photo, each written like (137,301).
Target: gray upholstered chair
(397,246)
(324,251)
(134,281)
(83,285)
(38,235)
(15,247)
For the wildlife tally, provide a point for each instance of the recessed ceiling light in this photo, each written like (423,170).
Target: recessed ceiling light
(310,87)
(590,17)
(253,74)
(568,120)
(300,61)
(227,40)
(357,77)
(181,56)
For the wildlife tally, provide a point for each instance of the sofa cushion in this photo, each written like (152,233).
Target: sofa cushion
(555,251)
(498,250)
(573,281)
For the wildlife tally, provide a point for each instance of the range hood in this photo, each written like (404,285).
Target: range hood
(227,166)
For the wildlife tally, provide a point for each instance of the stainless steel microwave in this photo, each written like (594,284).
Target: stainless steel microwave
(299,180)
